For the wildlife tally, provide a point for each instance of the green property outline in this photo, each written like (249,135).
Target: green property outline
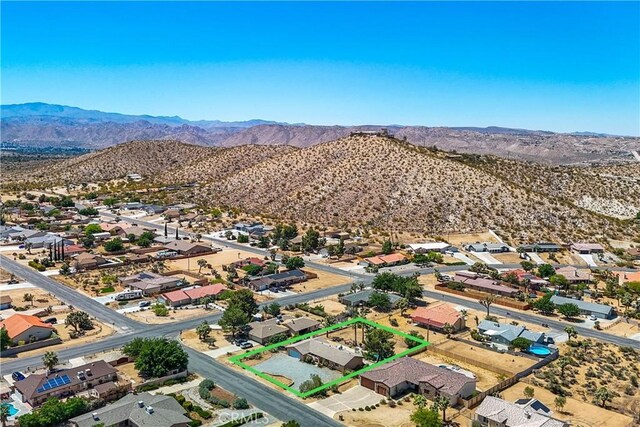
(237,359)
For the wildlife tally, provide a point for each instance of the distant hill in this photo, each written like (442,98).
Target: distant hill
(374,182)
(47,125)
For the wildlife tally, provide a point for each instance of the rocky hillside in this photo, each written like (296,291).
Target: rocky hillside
(146,158)
(384,183)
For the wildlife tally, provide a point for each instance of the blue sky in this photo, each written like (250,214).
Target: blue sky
(553,66)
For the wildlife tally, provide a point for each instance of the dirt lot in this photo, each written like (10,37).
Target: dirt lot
(129,370)
(595,365)
(324,280)
(508,257)
(148,316)
(382,416)
(461,239)
(218,337)
(227,256)
(42,299)
(575,411)
(331,305)
(624,328)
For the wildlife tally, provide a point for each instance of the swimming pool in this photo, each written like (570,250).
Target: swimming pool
(12,409)
(539,350)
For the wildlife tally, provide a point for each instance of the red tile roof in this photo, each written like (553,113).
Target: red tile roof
(436,316)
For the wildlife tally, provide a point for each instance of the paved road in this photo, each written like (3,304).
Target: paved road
(275,402)
(69,295)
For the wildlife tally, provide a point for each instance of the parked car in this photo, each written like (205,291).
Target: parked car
(51,321)
(245,345)
(18,376)
(593,317)
(239,341)
(144,303)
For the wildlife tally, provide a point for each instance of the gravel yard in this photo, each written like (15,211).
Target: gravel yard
(298,372)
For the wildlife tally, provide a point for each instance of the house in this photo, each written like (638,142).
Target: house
(134,177)
(587,248)
(135,230)
(99,237)
(494,248)
(46,241)
(337,234)
(182,297)
(111,227)
(87,261)
(437,316)
(73,250)
(321,351)
(150,283)
(25,328)
(385,260)
(262,332)
(362,298)
(423,248)
(277,280)
(5,302)
(634,253)
(484,284)
(37,388)
(250,261)
(141,409)
(627,276)
(154,209)
(495,412)
(18,234)
(184,247)
(407,374)
(574,276)
(534,281)
(502,333)
(601,311)
(250,228)
(540,247)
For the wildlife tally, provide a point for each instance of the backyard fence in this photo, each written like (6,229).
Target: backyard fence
(480,295)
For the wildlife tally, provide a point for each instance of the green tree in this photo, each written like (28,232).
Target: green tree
(387,247)
(448,329)
(65,270)
(559,281)
(403,305)
(79,321)
(379,344)
(146,239)
(50,360)
(243,238)
(441,403)
(156,357)
(244,299)
(571,332)
(521,343)
(202,263)
(272,309)
(544,304)
(385,282)
(294,263)
(4,415)
(411,343)
(568,310)
(233,319)
(420,401)
(28,298)
(603,395)
(5,341)
(546,270)
(529,392)
(314,382)
(114,245)
(203,330)
(92,229)
(291,423)
(559,403)
(160,310)
(527,265)
(310,240)
(563,362)
(424,417)
(110,201)
(88,211)
(380,301)
(487,301)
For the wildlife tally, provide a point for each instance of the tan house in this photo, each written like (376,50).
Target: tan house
(37,388)
(322,352)
(184,247)
(437,316)
(407,374)
(87,261)
(150,283)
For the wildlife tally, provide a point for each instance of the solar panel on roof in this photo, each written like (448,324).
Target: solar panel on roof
(54,382)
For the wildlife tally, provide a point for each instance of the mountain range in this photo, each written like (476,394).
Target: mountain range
(49,125)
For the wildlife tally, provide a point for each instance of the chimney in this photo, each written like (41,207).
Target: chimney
(95,416)
(149,410)
(140,404)
(88,372)
(527,414)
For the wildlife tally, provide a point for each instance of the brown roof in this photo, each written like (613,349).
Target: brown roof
(29,386)
(415,371)
(105,387)
(300,323)
(4,299)
(436,316)
(183,245)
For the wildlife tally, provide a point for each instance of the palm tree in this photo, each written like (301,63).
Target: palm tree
(50,360)
(328,321)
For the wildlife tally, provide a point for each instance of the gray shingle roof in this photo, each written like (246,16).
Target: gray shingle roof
(321,348)
(508,332)
(167,412)
(363,296)
(512,415)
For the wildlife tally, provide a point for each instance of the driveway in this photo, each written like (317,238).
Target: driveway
(355,397)
(485,257)
(463,258)
(295,370)
(535,258)
(21,285)
(218,352)
(588,259)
